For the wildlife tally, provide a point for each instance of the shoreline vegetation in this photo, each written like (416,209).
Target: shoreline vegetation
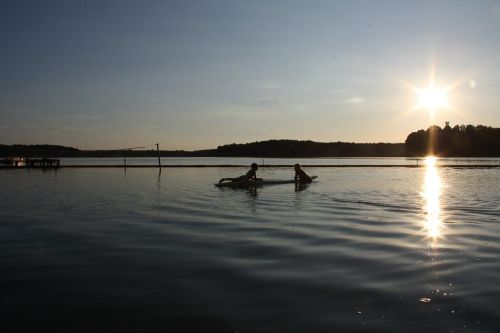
(459,141)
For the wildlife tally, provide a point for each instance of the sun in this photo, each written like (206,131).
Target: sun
(432,98)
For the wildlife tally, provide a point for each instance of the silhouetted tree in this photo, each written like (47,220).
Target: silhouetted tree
(467,141)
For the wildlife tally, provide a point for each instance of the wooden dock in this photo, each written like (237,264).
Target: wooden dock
(42,163)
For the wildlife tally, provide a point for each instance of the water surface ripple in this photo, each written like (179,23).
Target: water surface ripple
(379,249)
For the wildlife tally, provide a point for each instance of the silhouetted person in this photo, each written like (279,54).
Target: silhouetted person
(300,175)
(250,176)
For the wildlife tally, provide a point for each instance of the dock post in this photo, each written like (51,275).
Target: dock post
(158,151)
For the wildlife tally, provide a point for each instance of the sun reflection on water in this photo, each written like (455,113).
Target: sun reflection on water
(431,194)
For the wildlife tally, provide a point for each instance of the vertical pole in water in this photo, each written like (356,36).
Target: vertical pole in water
(125,158)
(158,150)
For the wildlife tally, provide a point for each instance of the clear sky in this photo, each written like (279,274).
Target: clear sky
(197,74)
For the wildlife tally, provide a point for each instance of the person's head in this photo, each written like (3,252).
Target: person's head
(254,166)
(297,167)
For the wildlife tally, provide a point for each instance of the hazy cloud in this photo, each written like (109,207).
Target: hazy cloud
(66,129)
(90,116)
(266,85)
(81,116)
(355,100)
(266,99)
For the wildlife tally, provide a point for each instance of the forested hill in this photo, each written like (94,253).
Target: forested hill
(294,148)
(270,148)
(463,141)
(37,151)
(61,151)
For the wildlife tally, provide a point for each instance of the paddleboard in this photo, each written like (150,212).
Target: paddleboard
(261,182)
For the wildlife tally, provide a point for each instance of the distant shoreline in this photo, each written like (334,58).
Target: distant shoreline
(459,141)
(176,166)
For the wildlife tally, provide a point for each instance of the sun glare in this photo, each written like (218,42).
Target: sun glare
(430,161)
(432,98)
(431,194)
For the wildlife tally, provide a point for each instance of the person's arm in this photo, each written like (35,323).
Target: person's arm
(304,177)
(307,178)
(254,176)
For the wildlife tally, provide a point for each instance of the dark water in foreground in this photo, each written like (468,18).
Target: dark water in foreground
(376,249)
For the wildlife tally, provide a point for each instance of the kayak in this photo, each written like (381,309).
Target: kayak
(260,182)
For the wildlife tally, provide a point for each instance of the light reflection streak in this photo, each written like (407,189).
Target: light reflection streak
(431,194)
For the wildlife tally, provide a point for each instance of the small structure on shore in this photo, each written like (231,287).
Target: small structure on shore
(42,163)
(14,161)
(22,162)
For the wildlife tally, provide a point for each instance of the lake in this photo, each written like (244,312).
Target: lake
(359,250)
(176,161)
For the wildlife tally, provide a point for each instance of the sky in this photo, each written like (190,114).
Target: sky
(198,74)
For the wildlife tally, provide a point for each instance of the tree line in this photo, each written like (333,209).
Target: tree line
(269,148)
(62,151)
(296,148)
(459,141)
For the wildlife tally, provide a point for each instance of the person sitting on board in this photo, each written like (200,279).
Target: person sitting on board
(250,176)
(300,175)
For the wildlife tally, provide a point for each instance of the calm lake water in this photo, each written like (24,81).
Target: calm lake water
(361,249)
(272,161)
